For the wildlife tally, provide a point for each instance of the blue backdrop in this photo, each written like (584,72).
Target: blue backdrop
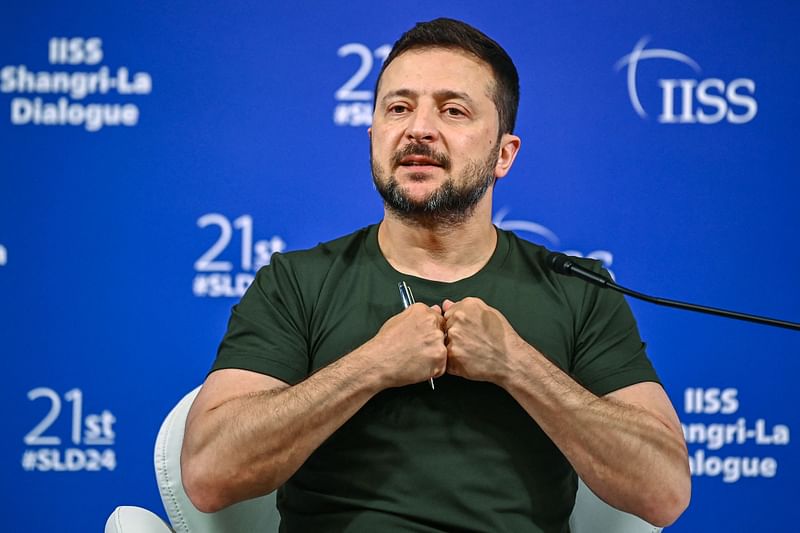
(154,156)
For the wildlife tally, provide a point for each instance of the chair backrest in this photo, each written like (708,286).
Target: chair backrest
(258,514)
(591,514)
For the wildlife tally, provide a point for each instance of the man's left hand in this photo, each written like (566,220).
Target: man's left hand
(481,344)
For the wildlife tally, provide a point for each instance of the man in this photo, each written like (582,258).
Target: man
(320,388)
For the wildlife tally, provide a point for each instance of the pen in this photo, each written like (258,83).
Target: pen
(408,299)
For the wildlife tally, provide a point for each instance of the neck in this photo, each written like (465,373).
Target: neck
(439,252)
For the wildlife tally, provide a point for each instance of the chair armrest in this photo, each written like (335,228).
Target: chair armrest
(129,519)
(593,515)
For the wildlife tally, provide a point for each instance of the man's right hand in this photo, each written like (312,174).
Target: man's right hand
(409,348)
(247,433)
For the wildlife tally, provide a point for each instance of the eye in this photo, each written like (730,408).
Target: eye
(454,112)
(397,109)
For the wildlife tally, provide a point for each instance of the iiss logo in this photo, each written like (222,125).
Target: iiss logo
(33,104)
(690,100)
(726,445)
(552,241)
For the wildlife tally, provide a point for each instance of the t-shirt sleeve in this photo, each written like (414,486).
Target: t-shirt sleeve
(609,352)
(267,330)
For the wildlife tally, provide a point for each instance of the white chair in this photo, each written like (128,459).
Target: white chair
(591,515)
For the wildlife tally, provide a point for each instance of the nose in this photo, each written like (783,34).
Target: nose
(421,127)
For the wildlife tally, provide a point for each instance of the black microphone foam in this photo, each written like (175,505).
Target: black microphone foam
(565,265)
(559,263)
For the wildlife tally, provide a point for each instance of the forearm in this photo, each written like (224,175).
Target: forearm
(250,445)
(631,458)
(239,446)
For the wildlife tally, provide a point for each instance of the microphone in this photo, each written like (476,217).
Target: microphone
(564,264)
(567,266)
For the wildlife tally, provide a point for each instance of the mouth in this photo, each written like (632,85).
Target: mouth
(412,161)
(420,158)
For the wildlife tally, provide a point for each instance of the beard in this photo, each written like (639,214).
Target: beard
(451,203)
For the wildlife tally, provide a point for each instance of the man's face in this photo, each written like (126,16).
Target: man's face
(434,137)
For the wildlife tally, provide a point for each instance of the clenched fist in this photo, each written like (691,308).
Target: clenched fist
(481,344)
(410,346)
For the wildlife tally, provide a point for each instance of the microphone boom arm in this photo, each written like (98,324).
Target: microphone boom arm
(563,264)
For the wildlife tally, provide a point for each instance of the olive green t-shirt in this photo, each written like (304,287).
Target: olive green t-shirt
(463,457)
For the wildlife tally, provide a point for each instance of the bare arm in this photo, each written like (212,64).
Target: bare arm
(627,446)
(247,433)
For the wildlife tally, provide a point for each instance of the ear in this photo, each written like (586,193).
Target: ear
(509,147)
(369,132)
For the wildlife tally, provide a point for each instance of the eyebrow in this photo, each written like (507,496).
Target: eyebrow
(444,94)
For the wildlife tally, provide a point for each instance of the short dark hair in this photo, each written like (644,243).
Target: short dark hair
(454,34)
